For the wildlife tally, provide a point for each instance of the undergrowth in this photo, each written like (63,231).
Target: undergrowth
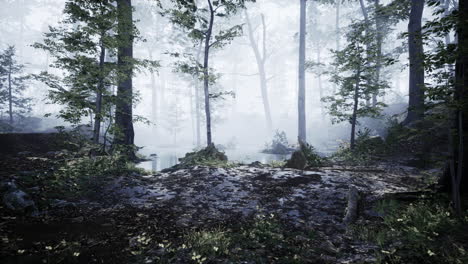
(263,240)
(425,231)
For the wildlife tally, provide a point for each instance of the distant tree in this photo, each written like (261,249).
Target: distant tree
(12,85)
(175,118)
(199,21)
(355,78)
(301,104)
(260,53)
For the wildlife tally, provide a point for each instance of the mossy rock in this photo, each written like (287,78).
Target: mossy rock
(209,156)
(297,160)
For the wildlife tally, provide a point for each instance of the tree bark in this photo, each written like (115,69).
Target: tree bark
(260,59)
(416,53)
(100,89)
(366,21)
(206,75)
(355,109)
(301,91)
(124,106)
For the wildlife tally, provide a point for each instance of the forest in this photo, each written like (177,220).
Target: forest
(233,131)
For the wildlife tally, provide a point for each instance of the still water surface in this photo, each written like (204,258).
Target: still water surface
(168,157)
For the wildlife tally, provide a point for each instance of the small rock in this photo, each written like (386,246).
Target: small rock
(78,219)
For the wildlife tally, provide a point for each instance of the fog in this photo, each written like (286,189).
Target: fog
(167,97)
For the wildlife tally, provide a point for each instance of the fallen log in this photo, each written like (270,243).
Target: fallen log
(351,211)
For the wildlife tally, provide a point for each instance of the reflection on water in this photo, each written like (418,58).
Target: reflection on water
(166,158)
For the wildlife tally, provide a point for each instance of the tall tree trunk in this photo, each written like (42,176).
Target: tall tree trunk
(301,91)
(10,96)
(100,89)
(260,58)
(124,106)
(206,75)
(416,68)
(460,160)
(355,109)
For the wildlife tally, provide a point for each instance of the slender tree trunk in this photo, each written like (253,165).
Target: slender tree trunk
(154,95)
(355,109)
(416,68)
(10,96)
(124,106)
(366,21)
(379,28)
(206,75)
(197,102)
(301,91)
(100,89)
(261,68)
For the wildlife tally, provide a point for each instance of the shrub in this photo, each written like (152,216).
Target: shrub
(366,150)
(279,144)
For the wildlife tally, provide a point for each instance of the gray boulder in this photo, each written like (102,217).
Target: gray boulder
(17,200)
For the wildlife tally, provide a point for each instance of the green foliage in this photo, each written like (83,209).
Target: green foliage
(312,157)
(86,35)
(422,232)
(76,46)
(356,76)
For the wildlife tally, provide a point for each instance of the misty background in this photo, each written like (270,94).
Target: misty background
(166,98)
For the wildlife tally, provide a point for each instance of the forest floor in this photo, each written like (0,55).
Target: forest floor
(242,214)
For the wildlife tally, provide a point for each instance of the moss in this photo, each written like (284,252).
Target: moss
(209,156)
